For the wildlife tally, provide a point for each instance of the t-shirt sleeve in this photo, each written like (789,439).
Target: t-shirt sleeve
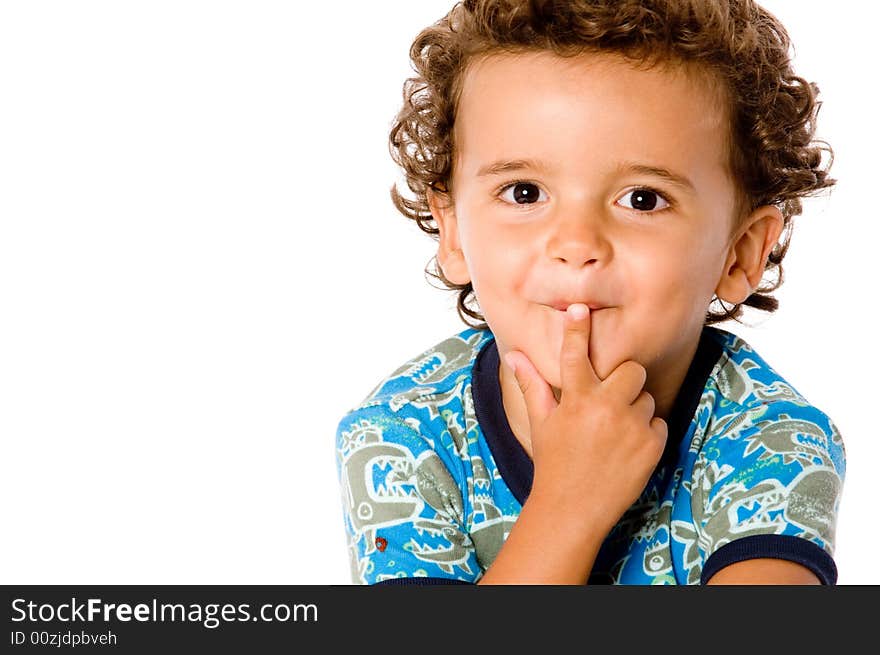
(770,486)
(402,508)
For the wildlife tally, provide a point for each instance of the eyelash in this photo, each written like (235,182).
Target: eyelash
(669,202)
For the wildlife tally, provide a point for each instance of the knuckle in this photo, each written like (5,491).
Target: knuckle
(660,424)
(572,358)
(637,371)
(605,413)
(628,376)
(571,400)
(661,429)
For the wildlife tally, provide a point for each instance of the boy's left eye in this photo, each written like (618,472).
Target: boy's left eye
(644,200)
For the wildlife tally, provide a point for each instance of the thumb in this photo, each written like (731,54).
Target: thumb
(538,394)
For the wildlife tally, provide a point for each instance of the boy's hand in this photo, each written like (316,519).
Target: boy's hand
(596,448)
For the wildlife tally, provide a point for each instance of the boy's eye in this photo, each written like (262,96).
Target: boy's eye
(521,193)
(644,200)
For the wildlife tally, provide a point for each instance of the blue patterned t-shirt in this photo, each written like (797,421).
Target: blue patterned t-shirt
(433,478)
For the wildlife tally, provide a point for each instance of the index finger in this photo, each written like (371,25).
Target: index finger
(575,368)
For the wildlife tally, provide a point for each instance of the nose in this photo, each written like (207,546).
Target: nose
(578,240)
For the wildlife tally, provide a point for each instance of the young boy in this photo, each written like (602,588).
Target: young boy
(597,174)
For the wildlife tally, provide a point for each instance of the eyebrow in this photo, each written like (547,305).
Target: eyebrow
(506,166)
(657,171)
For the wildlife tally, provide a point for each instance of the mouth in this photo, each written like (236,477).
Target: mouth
(562,305)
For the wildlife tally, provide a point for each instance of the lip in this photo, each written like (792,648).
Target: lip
(562,305)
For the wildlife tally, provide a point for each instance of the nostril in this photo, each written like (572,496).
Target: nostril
(574,261)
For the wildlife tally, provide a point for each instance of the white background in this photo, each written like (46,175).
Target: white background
(201,270)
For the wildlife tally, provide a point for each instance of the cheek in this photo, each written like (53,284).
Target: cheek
(664,281)
(495,261)
(655,273)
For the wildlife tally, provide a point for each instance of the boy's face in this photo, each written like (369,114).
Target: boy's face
(601,223)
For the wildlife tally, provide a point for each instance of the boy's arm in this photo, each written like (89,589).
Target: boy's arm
(542,548)
(765,571)
(581,486)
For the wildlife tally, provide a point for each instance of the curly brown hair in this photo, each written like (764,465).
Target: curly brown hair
(772,112)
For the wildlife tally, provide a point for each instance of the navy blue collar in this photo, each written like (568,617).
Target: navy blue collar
(513,462)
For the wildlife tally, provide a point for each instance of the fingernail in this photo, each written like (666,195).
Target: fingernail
(578,311)
(510,362)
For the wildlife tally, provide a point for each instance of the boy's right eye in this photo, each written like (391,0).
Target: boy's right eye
(520,193)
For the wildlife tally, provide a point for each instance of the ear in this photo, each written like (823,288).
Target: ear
(748,254)
(449,253)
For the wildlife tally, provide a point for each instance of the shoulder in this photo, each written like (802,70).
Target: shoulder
(433,371)
(751,396)
(414,394)
(744,377)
